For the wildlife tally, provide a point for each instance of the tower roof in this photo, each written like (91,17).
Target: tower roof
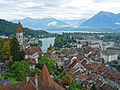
(19,28)
(47,81)
(45,76)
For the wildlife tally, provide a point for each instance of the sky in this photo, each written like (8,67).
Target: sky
(59,9)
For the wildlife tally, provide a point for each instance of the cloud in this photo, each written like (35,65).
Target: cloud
(54,23)
(98,1)
(117,23)
(60,9)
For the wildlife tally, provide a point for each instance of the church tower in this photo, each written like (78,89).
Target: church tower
(19,34)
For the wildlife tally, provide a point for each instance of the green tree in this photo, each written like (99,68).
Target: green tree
(36,44)
(49,63)
(118,67)
(63,40)
(33,72)
(15,52)
(67,80)
(75,86)
(116,61)
(58,42)
(1,45)
(103,60)
(22,55)
(6,50)
(39,42)
(86,43)
(18,71)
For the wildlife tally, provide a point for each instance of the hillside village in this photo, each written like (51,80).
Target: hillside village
(42,82)
(90,62)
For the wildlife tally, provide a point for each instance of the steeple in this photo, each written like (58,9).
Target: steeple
(19,34)
(45,76)
(19,28)
(47,81)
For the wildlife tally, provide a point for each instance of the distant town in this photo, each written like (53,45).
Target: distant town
(76,61)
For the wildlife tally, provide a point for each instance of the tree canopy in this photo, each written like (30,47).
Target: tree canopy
(15,51)
(103,60)
(6,50)
(1,45)
(49,63)
(74,86)
(116,61)
(62,40)
(18,71)
(118,67)
(67,80)
(34,72)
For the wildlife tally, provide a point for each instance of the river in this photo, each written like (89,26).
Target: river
(46,43)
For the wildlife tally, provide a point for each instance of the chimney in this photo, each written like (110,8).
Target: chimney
(36,79)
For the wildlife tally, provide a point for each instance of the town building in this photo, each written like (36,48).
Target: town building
(32,56)
(109,56)
(105,45)
(26,45)
(95,45)
(114,50)
(4,37)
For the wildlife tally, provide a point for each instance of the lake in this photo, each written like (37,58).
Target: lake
(60,32)
(46,43)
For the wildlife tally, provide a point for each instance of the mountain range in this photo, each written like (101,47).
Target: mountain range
(103,20)
(48,23)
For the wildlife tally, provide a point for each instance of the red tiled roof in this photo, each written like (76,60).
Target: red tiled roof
(102,70)
(47,80)
(45,76)
(31,61)
(26,44)
(32,50)
(84,76)
(67,69)
(12,87)
(113,48)
(30,86)
(19,28)
(108,53)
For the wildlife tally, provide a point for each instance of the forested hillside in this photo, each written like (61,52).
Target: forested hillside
(8,28)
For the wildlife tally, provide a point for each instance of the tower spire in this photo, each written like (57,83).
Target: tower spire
(19,34)
(19,28)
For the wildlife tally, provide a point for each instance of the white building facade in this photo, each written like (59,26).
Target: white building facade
(108,56)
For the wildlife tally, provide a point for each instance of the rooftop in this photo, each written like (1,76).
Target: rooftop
(84,76)
(108,53)
(19,28)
